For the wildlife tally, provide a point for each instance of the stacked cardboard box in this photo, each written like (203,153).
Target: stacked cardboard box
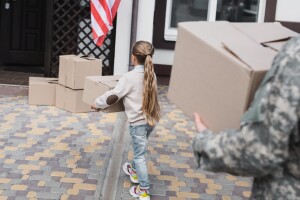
(78,85)
(225,63)
(72,72)
(65,92)
(42,91)
(94,86)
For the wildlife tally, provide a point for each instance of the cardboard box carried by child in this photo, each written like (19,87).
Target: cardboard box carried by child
(95,86)
(219,65)
(71,100)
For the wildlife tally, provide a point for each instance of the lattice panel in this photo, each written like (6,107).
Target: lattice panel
(72,34)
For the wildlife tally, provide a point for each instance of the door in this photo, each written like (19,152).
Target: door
(22,32)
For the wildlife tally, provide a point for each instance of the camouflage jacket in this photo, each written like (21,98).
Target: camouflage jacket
(267,146)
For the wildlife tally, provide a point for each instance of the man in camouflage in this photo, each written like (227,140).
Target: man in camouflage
(267,146)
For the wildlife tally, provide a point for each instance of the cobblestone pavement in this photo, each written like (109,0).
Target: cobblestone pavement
(47,153)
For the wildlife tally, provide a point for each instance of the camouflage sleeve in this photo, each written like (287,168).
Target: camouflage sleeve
(262,143)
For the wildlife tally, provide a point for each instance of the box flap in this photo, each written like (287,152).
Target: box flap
(249,51)
(229,37)
(79,58)
(275,45)
(53,82)
(109,81)
(42,80)
(265,32)
(208,31)
(69,56)
(110,84)
(104,78)
(88,58)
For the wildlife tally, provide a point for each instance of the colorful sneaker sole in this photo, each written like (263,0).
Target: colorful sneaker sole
(125,169)
(133,180)
(132,193)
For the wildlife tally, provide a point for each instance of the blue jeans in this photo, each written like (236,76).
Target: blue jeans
(139,135)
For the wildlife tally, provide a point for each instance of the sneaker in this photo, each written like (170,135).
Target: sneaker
(137,192)
(128,169)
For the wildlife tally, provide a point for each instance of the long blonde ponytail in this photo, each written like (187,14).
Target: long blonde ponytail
(144,51)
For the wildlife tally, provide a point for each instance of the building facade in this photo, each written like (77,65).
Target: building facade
(157,21)
(35,33)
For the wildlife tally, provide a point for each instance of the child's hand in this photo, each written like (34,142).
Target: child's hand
(198,122)
(95,107)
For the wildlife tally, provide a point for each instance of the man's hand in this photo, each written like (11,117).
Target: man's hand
(95,107)
(198,122)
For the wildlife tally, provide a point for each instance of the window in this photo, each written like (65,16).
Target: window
(211,10)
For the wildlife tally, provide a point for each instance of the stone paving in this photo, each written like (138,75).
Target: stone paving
(47,153)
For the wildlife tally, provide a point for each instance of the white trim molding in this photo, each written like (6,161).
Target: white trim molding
(212,10)
(122,43)
(261,11)
(145,20)
(171,32)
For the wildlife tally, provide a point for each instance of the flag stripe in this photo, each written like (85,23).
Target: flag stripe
(100,40)
(98,19)
(115,8)
(97,31)
(107,11)
(102,16)
(98,5)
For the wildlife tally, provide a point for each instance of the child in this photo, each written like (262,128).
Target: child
(138,89)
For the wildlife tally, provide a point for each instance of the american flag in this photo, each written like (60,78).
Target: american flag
(103,13)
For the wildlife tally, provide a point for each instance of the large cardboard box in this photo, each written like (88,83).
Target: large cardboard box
(73,69)
(70,100)
(219,65)
(95,86)
(42,91)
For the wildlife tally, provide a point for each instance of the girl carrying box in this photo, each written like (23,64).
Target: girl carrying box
(138,90)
